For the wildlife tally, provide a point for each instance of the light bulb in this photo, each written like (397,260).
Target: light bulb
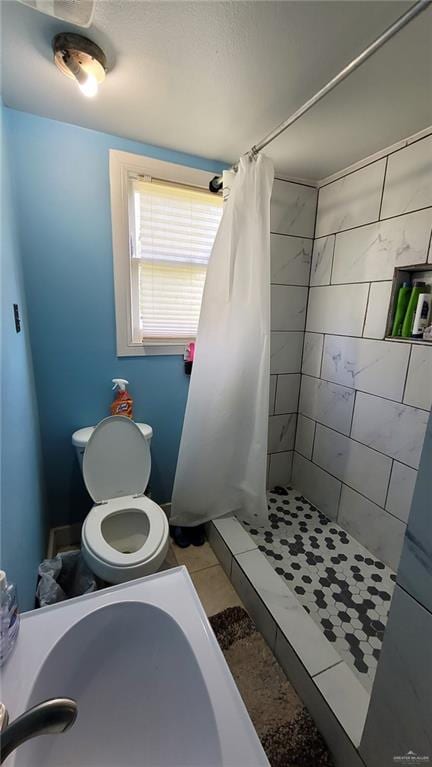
(89,87)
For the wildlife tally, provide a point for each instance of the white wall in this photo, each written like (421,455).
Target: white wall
(364,401)
(292,221)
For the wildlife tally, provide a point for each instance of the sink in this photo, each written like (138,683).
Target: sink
(152,686)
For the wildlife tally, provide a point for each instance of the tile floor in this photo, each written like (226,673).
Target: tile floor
(345,589)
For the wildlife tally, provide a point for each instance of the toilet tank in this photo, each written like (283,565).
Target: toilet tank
(82,436)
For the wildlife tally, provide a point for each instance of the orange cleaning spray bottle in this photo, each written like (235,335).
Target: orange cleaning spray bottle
(123,402)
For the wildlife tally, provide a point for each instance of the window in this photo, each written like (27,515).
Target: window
(164,224)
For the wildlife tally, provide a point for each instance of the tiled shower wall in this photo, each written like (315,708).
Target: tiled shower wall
(292,221)
(364,401)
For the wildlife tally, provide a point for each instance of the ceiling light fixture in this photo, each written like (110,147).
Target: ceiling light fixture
(80,59)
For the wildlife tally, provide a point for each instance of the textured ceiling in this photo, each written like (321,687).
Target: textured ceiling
(211,78)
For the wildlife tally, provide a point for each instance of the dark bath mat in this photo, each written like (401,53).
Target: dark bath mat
(286,730)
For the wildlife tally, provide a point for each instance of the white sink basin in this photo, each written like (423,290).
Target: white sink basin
(152,686)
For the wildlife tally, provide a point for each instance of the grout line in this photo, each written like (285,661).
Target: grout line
(322,355)
(294,236)
(366,310)
(312,185)
(406,377)
(388,486)
(375,221)
(338,662)
(333,257)
(386,153)
(352,414)
(383,188)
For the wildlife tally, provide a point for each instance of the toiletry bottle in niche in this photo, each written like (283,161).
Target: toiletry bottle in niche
(417,288)
(401,307)
(9,617)
(123,402)
(421,318)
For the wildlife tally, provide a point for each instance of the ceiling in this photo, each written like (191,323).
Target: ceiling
(212,78)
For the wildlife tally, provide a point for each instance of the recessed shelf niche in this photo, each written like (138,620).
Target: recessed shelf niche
(403,274)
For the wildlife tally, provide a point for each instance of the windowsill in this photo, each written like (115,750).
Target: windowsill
(151,350)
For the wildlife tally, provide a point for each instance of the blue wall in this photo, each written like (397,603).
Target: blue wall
(62,174)
(22,510)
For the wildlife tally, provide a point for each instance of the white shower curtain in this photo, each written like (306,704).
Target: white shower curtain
(223,451)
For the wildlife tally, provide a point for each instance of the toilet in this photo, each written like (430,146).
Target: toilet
(126,534)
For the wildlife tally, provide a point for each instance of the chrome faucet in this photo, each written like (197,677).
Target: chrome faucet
(49,717)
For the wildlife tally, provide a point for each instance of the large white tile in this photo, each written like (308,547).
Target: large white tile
(319,487)
(288,307)
(377,367)
(287,393)
(408,184)
(372,252)
(346,697)
(234,535)
(394,429)
(415,569)
(281,432)
(254,605)
(305,436)
(322,260)
(341,746)
(272,394)
(350,201)
(292,209)
(401,490)
(219,547)
(327,403)
(399,716)
(286,352)
(418,390)
(312,353)
(377,311)
(280,469)
(314,650)
(337,309)
(360,467)
(290,260)
(373,527)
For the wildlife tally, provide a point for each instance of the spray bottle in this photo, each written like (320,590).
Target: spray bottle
(123,402)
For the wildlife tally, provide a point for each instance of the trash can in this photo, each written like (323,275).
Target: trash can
(63,577)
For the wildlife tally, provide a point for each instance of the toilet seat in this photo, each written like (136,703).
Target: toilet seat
(98,544)
(116,469)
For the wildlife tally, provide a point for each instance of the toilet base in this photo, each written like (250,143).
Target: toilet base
(107,572)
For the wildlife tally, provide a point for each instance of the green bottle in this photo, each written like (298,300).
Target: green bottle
(401,307)
(417,288)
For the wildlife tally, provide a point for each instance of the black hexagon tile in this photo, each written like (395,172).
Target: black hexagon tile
(341,585)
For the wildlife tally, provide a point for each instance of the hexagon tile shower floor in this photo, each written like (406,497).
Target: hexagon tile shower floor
(345,589)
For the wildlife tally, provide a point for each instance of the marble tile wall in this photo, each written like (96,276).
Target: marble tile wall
(364,401)
(399,723)
(292,222)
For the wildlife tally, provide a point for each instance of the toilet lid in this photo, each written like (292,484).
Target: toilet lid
(116,460)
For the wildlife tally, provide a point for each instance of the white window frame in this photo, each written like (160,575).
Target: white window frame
(121,166)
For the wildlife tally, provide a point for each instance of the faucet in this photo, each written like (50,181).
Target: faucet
(49,717)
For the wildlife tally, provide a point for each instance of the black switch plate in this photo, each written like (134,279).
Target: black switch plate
(17,318)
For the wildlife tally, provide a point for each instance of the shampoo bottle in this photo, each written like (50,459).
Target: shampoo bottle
(9,617)
(401,307)
(416,290)
(123,402)
(421,317)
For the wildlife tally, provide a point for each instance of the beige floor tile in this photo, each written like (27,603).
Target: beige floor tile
(169,561)
(215,590)
(195,557)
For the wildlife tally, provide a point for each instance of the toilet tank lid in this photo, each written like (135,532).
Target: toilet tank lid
(82,436)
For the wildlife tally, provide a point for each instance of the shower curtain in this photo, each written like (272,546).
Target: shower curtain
(223,451)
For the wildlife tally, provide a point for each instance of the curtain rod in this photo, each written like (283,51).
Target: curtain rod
(215,184)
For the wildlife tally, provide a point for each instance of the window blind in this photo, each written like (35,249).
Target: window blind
(173,233)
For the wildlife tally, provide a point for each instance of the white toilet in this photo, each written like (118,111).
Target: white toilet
(125,535)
